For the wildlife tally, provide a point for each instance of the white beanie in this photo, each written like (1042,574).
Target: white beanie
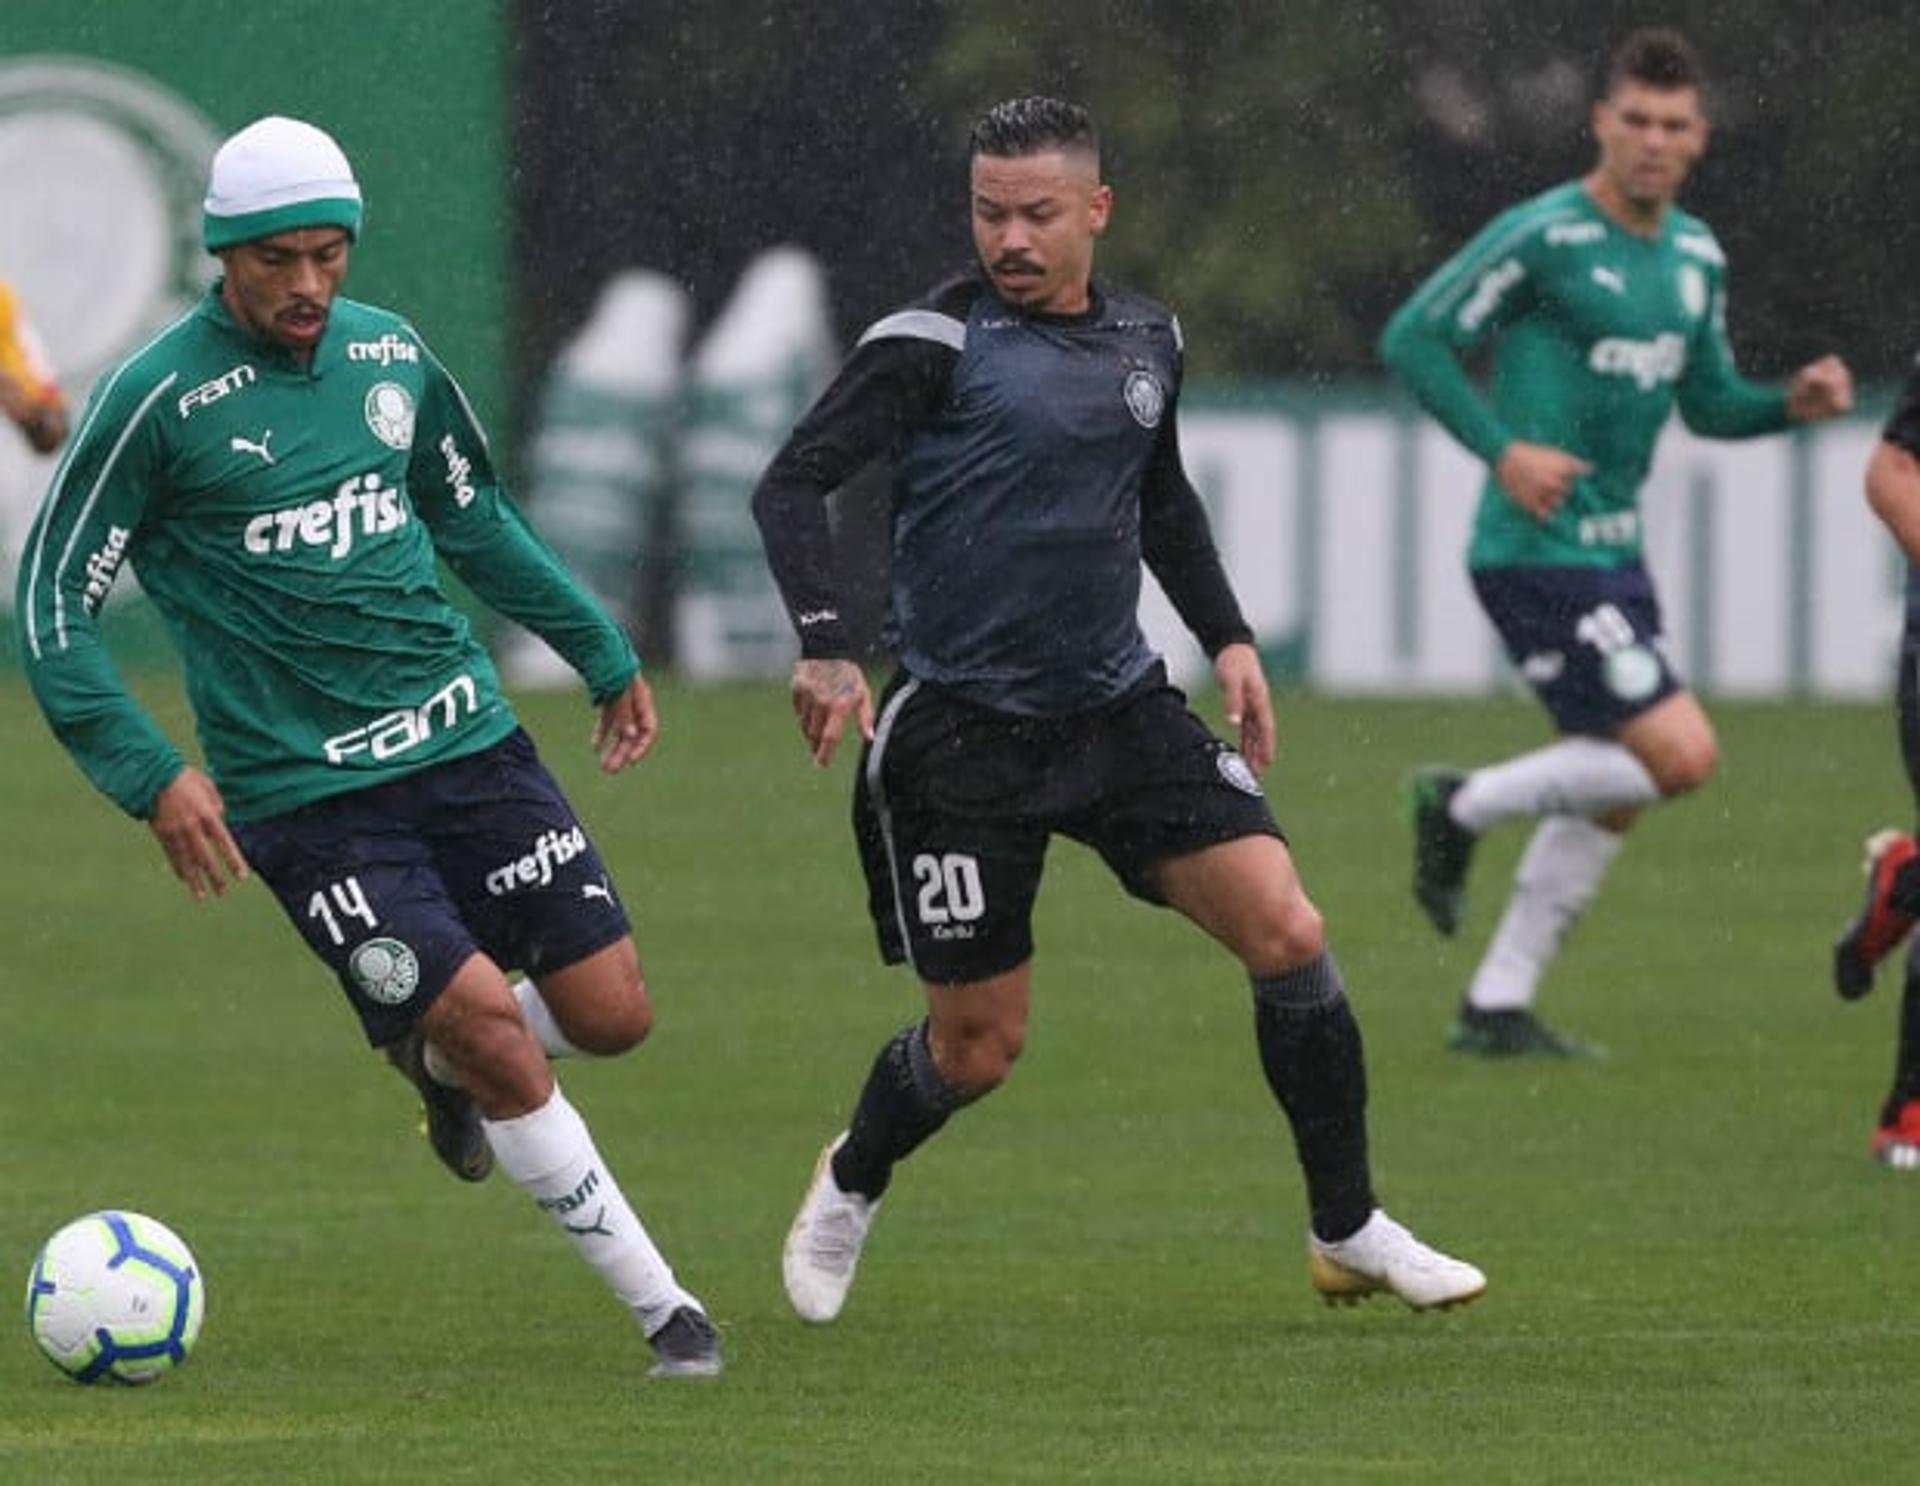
(277,175)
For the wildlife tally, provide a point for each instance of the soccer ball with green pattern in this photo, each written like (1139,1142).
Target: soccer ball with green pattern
(115,1295)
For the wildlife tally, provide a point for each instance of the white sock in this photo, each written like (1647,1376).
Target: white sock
(438,1068)
(539,1018)
(551,1155)
(1559,873)
(1576,776)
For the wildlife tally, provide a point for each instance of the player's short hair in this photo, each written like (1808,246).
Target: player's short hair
(1656,57)
(1032,126)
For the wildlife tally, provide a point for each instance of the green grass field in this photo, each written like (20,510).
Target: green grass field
(1698,1275)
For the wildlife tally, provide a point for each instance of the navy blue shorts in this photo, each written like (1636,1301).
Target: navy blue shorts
(397,886)
(1587,640)
(955,804)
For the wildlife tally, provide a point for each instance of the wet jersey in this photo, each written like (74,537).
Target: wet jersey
(1598,332)
(285,521)
(1036,465)
(1903,429)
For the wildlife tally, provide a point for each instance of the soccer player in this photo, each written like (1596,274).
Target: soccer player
(283,466)
(1893,857)
(30,395)
(1606,304)
(1031,409)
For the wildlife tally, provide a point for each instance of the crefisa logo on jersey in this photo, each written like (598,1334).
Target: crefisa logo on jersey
(390,414)
(388,349)
(1146,398)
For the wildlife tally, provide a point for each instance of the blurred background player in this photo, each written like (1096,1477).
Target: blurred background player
(1606,305)
(1893,860)
(29,395)
(285,467)
(1032,410)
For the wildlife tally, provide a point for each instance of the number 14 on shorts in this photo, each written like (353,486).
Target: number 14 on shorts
(338,900)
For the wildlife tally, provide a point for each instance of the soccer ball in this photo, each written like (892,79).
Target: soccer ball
(115,1295)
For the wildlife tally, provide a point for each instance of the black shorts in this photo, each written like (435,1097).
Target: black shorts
(955,804)
(396,886)
(1587,640)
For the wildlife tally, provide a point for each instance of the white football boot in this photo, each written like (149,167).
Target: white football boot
(823,1246)
(1382,1255)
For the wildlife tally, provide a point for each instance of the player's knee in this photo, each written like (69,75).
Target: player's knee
(620,1018)
(498,1059)
(1294,935)
(618,1027)
(616,1014)
(1688,765)
(981,1058)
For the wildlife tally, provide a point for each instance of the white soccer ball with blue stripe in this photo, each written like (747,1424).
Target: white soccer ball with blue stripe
(115,1295)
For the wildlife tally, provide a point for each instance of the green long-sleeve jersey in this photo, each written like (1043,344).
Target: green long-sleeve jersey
(285,520)
(1597,333)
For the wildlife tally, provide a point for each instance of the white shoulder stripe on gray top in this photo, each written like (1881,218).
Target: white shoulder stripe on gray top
(920,325)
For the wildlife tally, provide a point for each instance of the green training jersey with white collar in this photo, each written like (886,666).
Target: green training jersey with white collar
(285,521)
(1598,332)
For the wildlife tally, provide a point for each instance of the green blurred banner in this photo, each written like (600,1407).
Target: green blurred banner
(110,111)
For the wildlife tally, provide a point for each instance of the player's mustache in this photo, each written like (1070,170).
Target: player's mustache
(1014,264)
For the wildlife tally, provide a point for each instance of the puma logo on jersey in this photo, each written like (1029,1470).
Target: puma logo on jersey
(598,889)
(1609,278)
(248,446)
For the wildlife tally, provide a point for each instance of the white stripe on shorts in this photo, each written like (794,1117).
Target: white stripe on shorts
(876,792)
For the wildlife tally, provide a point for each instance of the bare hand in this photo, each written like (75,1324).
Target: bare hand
(1248,703)
(1820,389)
(17,399)
(41,417)
(1538,477)
(825,694)
(626,728)
(190,819)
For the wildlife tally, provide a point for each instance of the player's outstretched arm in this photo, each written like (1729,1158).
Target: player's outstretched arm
(1248,703)
(190,820)
(1820,389)
(825,694)
(627,726)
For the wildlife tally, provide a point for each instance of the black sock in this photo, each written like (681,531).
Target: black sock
(1903,893)
(905,1100)
(1906,1067)
(1311,1053)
